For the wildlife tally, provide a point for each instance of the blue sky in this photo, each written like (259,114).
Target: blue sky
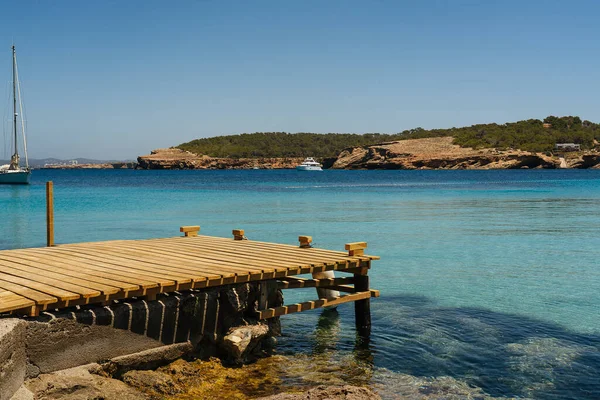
(114,80)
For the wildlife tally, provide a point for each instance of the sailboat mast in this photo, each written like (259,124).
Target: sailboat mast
(15,100)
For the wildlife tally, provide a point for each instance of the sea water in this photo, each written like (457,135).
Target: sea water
(489,277)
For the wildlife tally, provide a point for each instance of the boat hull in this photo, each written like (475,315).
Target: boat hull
(308,168)
(15,177)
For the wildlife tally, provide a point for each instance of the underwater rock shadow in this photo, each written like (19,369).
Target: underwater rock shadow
(505,354)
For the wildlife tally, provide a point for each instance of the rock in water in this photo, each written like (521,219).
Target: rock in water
(329,393)
(240,342)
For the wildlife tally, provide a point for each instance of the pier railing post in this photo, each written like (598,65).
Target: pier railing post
(49,214)
(362,308)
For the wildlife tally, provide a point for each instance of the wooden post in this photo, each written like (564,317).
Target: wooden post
(362,308)
(49,214)
(356,248)
(238,234)
(189,231)
(305,243)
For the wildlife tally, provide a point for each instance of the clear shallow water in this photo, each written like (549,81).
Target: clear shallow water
(490,277)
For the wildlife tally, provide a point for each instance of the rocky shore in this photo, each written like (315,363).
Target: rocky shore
(441,153)
(178,159)
(428,153)
(116,165)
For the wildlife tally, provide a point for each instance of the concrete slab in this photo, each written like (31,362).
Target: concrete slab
(13,359)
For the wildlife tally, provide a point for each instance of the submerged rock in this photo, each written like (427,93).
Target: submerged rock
(346,392)
(154,381)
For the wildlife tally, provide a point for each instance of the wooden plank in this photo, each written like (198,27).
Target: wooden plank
(167,271)
(48,289)
(280,249)
(212,273)
(224,258)
(131,253)
(191,228)
(10,301)
(162,277)
(34,295)
(73,272)
(310,305)
(101,270)
(356,246)
(12,267)
(192,261)
(265,257)
(39,276)
(276,255)
(286,247)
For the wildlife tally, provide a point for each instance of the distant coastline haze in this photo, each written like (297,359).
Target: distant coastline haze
(114,80)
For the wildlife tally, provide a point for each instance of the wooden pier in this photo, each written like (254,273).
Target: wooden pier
(36,279)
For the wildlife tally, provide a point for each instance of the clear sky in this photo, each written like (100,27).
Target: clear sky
(116,79)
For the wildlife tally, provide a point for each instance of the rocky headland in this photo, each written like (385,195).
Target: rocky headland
(427,153)
(174,158)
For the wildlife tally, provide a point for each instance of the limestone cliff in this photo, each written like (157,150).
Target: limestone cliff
(178,159)
(441,153)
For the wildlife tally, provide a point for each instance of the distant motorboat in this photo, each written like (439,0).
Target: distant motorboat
(14,173)
(309,164)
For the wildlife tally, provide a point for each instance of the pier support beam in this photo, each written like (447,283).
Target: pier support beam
(305,243)
(362,308)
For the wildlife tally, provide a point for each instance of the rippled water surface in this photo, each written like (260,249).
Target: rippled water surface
(491,278)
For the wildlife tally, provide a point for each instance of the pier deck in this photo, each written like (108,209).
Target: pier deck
(36,279)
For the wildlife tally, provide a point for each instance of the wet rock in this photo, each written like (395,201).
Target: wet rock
(328,393)
(154,381)
(239,343)
(79,384)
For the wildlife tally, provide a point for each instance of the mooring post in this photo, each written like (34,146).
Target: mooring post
(238,234)
(190,231)
(49,214)
(362,308)
(305,243)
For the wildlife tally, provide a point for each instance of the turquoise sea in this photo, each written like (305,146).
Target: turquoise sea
(491,278)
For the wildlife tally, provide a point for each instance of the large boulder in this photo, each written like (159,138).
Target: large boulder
(240,343)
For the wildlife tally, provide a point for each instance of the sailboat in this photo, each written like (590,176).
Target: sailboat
(14,173)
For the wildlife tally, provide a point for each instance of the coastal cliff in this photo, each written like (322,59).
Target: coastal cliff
(441,153)
(174,158)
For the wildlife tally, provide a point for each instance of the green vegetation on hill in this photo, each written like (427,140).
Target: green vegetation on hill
(282,144)
(530,135)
